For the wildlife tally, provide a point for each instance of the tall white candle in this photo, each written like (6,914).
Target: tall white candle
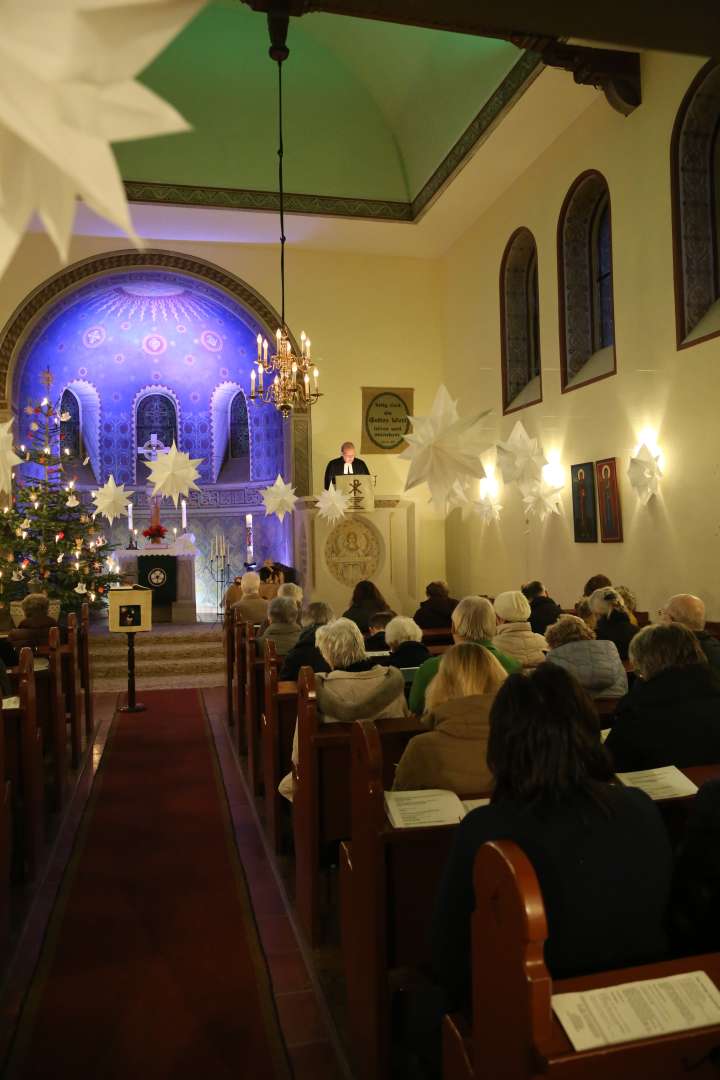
(183,506)
(130,517)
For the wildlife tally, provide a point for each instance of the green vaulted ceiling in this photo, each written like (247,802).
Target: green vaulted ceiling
(372,110)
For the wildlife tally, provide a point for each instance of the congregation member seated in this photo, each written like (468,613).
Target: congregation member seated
(305,652)
(452,754)
(473,620)
(629,600)
(600,850)
(672,714)
(513,635)
(595,664)
(689,610)
(613,622)
(436,610)
(355,688)
(270,582)
(543,611)
(34,628)
(366,600)
(695,899)
(586,613)
(283,628)
(598,581)
(375,641)
(404,640)
(290,591)
(252,607)
(233,593)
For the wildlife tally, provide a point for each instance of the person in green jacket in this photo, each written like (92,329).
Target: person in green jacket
(472,620)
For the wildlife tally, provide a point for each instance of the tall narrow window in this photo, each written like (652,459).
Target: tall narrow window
(70,426)
(587,321)
(695,166)
(156,415)
(236,466)
(520,323)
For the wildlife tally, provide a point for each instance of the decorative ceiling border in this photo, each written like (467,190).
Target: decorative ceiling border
(516,82)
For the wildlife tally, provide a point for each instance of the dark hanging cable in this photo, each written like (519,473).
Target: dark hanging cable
(282,200)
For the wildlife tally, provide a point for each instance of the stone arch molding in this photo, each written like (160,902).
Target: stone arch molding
(47,294)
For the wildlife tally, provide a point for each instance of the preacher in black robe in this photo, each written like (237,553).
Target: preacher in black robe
(346,464)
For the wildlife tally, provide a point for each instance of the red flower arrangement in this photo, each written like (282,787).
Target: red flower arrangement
(155,532)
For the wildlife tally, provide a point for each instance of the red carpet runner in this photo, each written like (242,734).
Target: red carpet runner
(152,966)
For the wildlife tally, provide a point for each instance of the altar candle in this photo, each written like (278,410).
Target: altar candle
(213,547)
(249,537)
(130,517)
(183,505)
(175,531)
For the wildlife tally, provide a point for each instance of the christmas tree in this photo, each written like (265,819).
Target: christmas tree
(46,534)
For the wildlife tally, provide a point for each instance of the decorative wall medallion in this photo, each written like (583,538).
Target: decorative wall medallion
(354,551)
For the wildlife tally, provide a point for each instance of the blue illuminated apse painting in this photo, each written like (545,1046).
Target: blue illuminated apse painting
(156,352)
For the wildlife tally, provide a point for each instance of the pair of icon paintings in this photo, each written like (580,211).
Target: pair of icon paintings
(596,500)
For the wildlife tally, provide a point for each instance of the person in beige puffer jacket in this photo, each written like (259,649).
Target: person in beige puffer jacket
(515,636)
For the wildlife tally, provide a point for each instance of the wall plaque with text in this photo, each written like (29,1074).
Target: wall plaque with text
(385,423)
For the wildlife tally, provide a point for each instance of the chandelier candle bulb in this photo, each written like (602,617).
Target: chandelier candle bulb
(307,348)
(259,345)
(265,351)
(261,369)
(252,383)
(306,380)
(316,380)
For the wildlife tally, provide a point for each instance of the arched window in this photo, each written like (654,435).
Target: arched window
(520,323)
(587,323)
(236,466)
(70,426)
(155,415)
(695,166)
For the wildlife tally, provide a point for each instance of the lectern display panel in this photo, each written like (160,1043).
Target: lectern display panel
(130,610)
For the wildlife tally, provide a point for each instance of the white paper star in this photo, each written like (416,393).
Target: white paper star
(485,508)
(520,458)
(443,448)
(174,474)
(111,500)
(67,92)
(540,499)
(8,457)
(332,504)
(279,498)
(644,474)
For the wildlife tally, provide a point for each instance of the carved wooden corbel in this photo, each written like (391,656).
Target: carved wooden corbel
(615,72)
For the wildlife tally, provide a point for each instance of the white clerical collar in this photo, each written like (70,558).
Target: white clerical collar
(348,468)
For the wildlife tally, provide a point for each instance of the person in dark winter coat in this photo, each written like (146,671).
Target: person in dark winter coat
(695,899)
(435,612)
(366,600)
(613,620)
(404,640)
(543,611)
(305,652)
(690,611)
(375,641)
(672,714)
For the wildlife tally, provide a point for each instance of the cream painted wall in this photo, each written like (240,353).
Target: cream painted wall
(674,544)
(373,320)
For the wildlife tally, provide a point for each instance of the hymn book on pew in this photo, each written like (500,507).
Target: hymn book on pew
(638,1010)
(665,783)
(415,809)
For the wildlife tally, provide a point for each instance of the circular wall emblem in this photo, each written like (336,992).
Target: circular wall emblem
(386,420)
(157,577)
(212,341)
(94,337)
(354,550)
(154,344)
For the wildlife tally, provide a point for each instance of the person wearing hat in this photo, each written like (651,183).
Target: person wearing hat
(515,637)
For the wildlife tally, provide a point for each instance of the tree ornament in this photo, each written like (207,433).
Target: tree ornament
(111,500)
(279,498)
(72,500)
(174,473)
(332,504)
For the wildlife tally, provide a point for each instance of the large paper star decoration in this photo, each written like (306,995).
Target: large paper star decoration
(520,458)
(540,499)
(174,474)
(443,449)
(279,498)
(485,508)
(8,457)
(644,474)
(111,500)
(67,92)
(332,504)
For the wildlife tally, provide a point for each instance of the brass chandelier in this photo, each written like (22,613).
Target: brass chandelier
(283,378)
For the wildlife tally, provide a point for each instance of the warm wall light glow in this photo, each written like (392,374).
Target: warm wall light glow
(489,487)
(553,473)
(649,437)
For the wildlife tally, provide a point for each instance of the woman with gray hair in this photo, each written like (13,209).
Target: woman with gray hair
(613,620)
(472,620)
(595,664)
(305,652)
(283,627)
(672,714)
(404,640)
(354,688)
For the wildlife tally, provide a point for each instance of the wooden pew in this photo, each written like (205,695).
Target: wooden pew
(239,631)
(57,719)
(71,687)
(5,845)
(514,1034)
(388,881)
(254,693)
(277,729)
(229,650)
(438,636)
(24,766)
(321,801)
(85,673)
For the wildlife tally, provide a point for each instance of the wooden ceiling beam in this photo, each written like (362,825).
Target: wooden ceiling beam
(691,27)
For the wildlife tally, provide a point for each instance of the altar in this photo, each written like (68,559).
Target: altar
(178,604)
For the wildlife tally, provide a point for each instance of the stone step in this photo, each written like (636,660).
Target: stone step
(108,669)
(110,642)
(160,651)
(158,682)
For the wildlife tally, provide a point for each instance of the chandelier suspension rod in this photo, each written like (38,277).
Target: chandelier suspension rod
(280,154)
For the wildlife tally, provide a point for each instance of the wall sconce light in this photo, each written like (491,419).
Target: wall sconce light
(644,471)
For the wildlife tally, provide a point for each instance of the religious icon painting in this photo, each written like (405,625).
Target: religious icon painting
(611,531)
(583,501)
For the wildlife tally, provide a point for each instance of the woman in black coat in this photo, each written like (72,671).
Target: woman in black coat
(672,714)
(613,620)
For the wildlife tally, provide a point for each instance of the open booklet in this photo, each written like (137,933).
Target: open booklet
(413,809)
(638,1010)
(665,783)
